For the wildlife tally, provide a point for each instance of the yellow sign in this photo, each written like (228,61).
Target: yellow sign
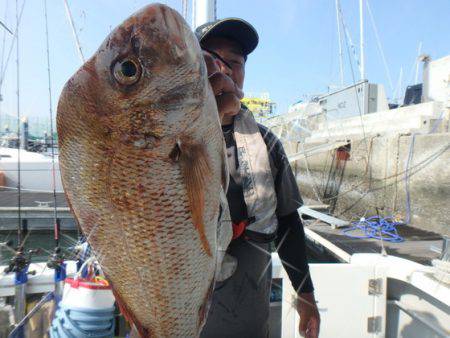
(260,107)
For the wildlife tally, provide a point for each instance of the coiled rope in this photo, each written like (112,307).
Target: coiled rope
(376,227)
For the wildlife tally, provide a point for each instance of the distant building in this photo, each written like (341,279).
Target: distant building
(260,105)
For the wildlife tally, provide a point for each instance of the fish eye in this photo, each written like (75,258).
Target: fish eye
(127,71)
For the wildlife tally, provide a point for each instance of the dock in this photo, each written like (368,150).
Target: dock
(37,208)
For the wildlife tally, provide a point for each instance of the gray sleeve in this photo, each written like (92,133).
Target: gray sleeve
(288,195)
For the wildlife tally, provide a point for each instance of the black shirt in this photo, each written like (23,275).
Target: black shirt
(240,305)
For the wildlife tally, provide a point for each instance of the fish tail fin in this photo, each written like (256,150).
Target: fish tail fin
(196,170)
(131,319)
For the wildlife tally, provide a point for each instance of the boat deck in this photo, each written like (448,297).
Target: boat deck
(9,199)
(419,245)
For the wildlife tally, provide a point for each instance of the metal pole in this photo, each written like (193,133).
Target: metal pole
(23,139)
(184,8)
(194,6)
(426,77)
(19,297)
(341,64)
(74,31)
(361,38)
(416,78)
(204,11)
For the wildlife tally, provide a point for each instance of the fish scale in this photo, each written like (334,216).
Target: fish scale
(142,163)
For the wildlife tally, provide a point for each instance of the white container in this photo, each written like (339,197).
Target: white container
(87,294)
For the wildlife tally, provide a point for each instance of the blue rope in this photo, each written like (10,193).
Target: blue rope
(376,227)
(82,323)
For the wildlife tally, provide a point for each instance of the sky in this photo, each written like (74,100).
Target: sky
(297,54)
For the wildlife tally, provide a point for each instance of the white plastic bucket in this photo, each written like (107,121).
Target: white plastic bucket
(87,294)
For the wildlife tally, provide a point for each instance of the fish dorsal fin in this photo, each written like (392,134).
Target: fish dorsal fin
(196,171)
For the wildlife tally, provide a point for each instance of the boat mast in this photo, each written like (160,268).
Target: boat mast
(361,39)
(204,11)
(338,23)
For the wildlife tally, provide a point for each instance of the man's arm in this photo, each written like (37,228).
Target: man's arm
(291,249)
(290,240)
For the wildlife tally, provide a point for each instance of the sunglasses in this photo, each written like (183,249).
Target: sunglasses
(218,57)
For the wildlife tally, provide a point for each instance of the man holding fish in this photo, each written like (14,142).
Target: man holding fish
(263,197)
(144,168)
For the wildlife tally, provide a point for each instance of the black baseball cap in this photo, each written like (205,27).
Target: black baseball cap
(234,29)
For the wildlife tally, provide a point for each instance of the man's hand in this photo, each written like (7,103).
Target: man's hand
(309,315)
(227,94)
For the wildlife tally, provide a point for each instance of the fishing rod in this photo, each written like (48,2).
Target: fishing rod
(20,262)
(56,260)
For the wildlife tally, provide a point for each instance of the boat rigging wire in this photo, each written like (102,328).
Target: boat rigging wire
(380,47)
(6,28)
(11,48)
(418,167)
(341,59)
(74,31)
(347,41)
(414,70)
(348,38)
(3,54)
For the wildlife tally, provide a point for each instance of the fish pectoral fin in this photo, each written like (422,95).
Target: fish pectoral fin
(194,161)
(204,308)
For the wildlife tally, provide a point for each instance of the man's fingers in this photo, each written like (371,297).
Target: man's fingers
(312,330)
(303,327)
(211,64)
(312,333)
(222,83)
(228,103)
(227,94)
